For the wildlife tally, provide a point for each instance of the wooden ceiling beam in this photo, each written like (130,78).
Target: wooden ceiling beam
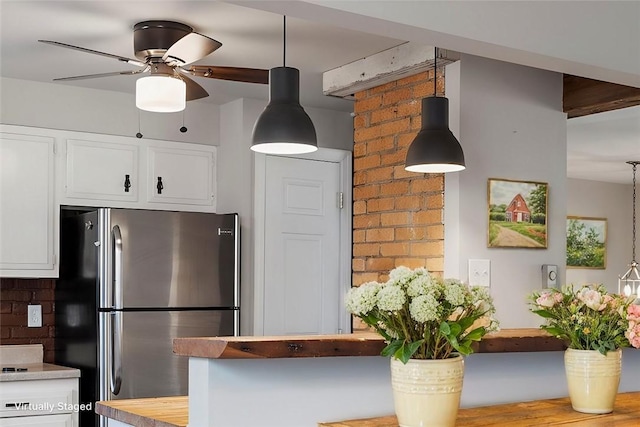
(582,96)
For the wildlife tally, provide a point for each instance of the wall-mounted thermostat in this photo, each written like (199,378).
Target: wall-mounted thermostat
(549,276)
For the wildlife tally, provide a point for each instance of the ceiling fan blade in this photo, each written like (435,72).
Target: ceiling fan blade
(96,52)
(236,74)
(93,76)
(190,48)
(194,90)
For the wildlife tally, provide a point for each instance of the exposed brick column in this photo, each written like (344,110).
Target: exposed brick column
(397,215)
(15,295)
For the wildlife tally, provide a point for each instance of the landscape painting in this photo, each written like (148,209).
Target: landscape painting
(517,214)
(586,242)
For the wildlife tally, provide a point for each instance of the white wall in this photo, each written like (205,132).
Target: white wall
(510,123)
(65,107)
(613,202)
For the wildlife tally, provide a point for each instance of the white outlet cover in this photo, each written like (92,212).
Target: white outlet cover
(480,272)
(34,313)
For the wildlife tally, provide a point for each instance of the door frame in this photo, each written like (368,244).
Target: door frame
(344,159)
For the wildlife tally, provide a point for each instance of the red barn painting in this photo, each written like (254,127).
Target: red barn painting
(517,211)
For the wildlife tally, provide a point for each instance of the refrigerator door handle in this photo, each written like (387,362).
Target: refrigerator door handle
(115,377)
(116,237)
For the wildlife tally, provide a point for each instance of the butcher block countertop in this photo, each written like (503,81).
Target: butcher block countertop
(358,344)
(551,412)
(151,412)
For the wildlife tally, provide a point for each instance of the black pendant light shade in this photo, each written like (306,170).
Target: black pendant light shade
(284,127)
(435,149)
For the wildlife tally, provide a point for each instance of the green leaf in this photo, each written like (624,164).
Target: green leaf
(409,350)
(445,329)
(392,348)
(466,322)
(476,334)
(544,313)
(455,328)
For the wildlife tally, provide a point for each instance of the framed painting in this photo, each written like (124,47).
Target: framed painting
(586,242)
(517,212)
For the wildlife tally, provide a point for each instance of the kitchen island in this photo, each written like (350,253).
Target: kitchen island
(310,380)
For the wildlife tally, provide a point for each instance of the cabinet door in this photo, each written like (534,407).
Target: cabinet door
(61,420)
(181,176)
(102,170)
(26,206)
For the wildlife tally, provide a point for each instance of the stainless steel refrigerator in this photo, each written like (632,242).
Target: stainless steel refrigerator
(130,282)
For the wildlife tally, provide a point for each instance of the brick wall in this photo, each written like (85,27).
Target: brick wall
(397,215)
(15,295)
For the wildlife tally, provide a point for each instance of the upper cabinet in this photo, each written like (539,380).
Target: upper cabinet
(27,209)
(122,172)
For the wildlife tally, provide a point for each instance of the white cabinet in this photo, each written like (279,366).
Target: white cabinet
(27,209)
(183,176)
(60,420)
(47,402)
(102,170)
(121,172)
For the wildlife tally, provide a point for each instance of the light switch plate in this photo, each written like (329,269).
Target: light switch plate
(480,272)
(34,312)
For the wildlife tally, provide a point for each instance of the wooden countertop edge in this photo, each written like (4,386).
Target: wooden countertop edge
(357,344)
(155,411)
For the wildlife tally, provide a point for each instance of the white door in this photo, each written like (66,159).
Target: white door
(302,247)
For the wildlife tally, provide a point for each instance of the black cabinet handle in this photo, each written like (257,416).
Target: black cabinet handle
(159,185)
(127,183)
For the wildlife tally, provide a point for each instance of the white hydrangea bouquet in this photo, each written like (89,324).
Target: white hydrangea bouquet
(422,316)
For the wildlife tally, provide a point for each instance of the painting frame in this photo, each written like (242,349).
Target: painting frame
(586,253)
(517,213)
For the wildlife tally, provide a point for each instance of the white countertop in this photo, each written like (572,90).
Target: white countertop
(38,371)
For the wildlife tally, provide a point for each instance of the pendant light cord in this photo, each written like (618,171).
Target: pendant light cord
(435,70)
(284,41)
(633,252)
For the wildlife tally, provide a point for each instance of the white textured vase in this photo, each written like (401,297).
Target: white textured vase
(593,379)
(426,393)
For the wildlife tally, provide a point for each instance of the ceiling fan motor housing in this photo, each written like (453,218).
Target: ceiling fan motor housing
(151,39)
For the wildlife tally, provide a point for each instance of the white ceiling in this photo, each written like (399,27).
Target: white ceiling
(321,36)
(250,38)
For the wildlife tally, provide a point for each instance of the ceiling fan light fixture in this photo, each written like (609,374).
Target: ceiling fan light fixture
(161,94)
(284,127)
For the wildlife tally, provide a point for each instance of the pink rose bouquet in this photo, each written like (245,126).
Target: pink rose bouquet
(633,332)
(589,318)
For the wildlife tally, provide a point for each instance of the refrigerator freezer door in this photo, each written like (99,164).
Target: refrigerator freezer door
(148,366)
(174,259)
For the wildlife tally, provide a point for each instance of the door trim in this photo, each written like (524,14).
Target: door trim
(344,159)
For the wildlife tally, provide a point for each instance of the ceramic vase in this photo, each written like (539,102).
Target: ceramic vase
(426,393)
(593,379)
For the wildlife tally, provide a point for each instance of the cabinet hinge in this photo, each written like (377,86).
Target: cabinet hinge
(55,148)
(53,260)
(341,200)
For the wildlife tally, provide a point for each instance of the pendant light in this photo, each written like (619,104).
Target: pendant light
(284,127)
(629,282)
(435,149)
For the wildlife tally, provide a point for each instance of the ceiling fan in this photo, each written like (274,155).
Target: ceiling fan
(166,48)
